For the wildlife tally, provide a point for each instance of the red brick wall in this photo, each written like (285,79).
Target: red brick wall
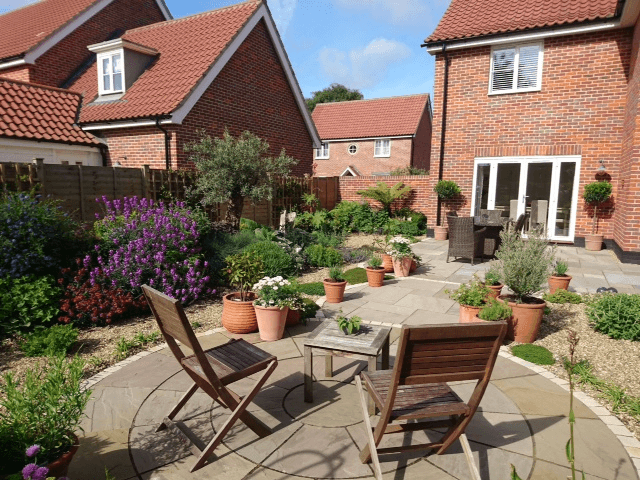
(580,107)
(422,142)
(20,73)
(134,147)
(417,200)
(252,93)
(59,63)
(339,158)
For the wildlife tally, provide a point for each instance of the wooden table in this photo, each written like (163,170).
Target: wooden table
(367,344)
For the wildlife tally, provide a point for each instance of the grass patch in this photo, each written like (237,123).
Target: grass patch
(620,400)
(313,288)
(534,354)
(356,275)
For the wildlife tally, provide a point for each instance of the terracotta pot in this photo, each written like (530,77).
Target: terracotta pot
(467,313)
(478,319)
(414,265)
(387,263)
(559,283)
(495,290)
(526,320)
(375,276)
(440,233)
(60,467)
(271,321)
(593,242)
(334,290)
(293,317)
(401,266)
(237,316)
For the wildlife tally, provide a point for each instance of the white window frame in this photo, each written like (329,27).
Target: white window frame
(383,155)
(100,57)
(322,149)
(516,61)
(349,148)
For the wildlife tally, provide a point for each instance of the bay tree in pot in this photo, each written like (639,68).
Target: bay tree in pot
(446,190)
(243,271)
(595,194)
(524,267)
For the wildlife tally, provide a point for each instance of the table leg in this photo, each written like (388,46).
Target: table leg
(373,364)
(385,355)
(328,365)
(308,374)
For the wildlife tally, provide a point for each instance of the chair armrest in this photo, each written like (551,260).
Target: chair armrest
(478,235)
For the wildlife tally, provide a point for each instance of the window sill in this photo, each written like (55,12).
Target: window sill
(382,156)
(322,158)
(507,92)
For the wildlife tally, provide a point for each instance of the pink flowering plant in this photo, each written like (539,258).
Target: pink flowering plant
(275,292)
(147,242)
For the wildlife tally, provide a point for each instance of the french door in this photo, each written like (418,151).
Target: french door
(544,189)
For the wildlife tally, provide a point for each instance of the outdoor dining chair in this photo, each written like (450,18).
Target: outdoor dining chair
(428,357)
(211,370)
(464,241)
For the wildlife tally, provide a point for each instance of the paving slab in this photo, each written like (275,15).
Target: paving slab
(282,349)
(374,315)
(415,299)
(100,450)
(425,317)
(334,405)
(148,371)
(161,402)
(112,408)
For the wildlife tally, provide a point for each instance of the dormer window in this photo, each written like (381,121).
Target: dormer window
(111,72)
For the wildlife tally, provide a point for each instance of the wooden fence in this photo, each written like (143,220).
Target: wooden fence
(78,187)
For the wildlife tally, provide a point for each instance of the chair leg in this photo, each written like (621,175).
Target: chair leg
(237,413)
(475,474)
(181,403)
(367,425)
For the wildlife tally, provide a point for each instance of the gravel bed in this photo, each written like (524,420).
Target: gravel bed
(616,361)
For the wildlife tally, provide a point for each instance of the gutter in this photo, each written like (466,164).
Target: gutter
(167,143)
(443,128)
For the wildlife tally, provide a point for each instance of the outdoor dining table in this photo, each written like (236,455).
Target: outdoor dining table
(492,234)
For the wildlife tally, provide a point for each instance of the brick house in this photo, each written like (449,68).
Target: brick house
(148,88)
(535,100)
(373,137)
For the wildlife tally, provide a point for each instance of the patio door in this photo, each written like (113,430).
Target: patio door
(544,189)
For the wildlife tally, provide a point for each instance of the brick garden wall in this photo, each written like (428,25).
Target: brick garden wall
(581,108)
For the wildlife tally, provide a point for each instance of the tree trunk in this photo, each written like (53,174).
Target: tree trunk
(594,227)
(234,211)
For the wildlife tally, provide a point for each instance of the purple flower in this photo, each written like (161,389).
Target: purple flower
(33,450)
(40,474)
(29,470)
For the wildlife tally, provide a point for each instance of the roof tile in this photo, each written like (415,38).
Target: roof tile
(381,117)
(473,18)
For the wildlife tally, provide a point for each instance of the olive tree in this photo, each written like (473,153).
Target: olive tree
(232,169)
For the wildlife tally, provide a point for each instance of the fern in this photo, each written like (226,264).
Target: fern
(385,194)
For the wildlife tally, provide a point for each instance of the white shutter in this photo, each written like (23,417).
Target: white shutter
(503,69)
(528,66)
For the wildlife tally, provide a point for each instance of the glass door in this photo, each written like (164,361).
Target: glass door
(537,195)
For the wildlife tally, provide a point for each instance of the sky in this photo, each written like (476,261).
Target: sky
(369,45)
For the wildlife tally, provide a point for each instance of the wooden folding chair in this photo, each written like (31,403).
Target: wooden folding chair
(427,358)
(211,370)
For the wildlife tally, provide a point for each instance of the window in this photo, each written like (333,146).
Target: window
(382,148)
(516,69)
(323,151)
(110,75)
(352,149)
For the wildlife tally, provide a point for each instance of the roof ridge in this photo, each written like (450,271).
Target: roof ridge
(373,99)
(189,17)
(38,85)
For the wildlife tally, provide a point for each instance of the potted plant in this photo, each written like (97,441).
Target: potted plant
(559,280)
(494,311)
(492,281)
(415,262)
(524,267)
(595,194)
(334,285)
(40,415)
(275,295)
(348,325)
(400,251)
(387,261)
(471,297)
(375,271)
(446,191)
(238,314)
(295,308)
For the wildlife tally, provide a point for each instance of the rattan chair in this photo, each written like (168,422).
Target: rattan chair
(464,241)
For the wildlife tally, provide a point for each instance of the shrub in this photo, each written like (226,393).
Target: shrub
(313,288)
(308,221)
(49,342)
(36,236)
(342,216)
(447,189)
(617,316)
(320,256)
(44,408)
(404,171)
(492,277)
(560,268)
(336,274)
(386,195)
(299,237)
(244,270)
(375,261)
(248,224)
(355,276)
(355,255)
(275,260)
(417,218)
(327,240)
(367,220)
(533,353)
(309,307)
(494,311)
(144,242)
(563,296)
(27,302)
(217,246)
(87,303)
(472,294)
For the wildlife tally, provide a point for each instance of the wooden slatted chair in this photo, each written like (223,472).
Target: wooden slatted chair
(211,370)
(427,358)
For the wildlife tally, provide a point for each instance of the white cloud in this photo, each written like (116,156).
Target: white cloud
(396,12)
(282,11)
(362,67)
